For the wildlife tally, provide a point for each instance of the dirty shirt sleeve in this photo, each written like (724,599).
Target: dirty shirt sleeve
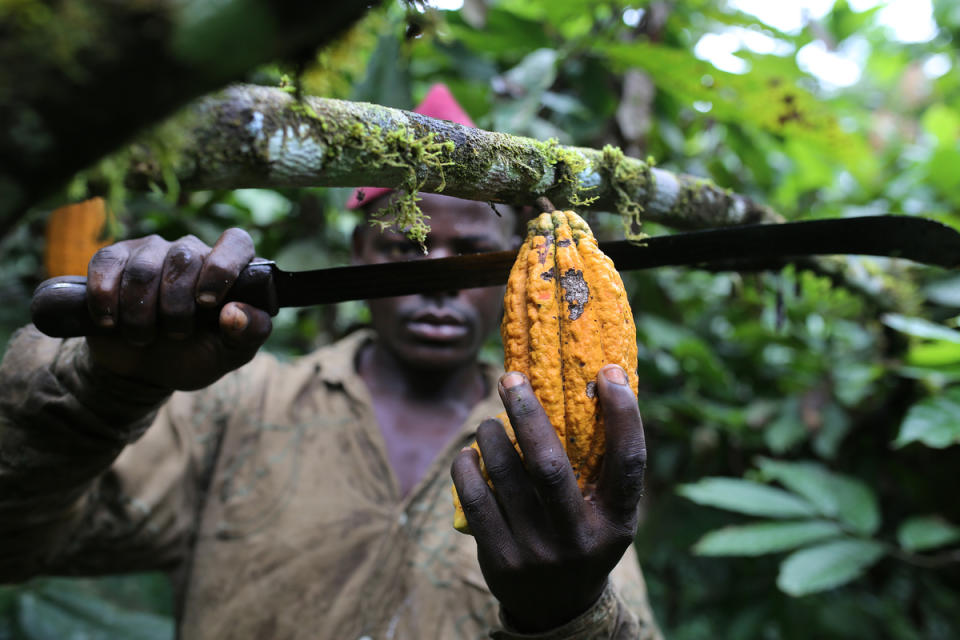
(621,613)
(77,497)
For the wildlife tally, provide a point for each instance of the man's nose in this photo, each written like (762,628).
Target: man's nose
(440,252)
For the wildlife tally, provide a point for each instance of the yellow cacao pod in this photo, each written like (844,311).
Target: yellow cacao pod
(566,315)
(73,235)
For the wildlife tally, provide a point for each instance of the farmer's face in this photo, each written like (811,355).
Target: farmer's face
(441,330)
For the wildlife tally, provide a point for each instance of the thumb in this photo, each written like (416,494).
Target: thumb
(243,329)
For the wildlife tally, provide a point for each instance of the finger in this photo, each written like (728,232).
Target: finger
(139,290)
(224,263)
(479,505)
(181,267)
(620,485)
(103,283)
(513,490)
(243,330)
(543,456)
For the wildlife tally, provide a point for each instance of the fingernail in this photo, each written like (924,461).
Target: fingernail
(615,374)
(105,321)
(207,299)
(511,380)
(237,319)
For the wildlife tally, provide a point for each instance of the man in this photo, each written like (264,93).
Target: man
(310,499)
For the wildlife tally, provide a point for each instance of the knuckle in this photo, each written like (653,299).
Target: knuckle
(620,535)
(237,232)
(583,545)
(497,468)
(513,563)
(622,402)
(140,270)
(524,406)
(107,257)
(550,471)
(180,254)
(634,460)
(238,237)
(191,240)
(473,502)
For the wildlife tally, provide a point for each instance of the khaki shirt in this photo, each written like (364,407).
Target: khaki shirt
(268,495)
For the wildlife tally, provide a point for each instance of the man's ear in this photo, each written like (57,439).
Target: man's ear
(356,241)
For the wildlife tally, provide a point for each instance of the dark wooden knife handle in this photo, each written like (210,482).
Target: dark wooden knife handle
(59,305)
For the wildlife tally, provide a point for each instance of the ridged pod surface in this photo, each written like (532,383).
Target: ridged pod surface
(566,315)
(73,235)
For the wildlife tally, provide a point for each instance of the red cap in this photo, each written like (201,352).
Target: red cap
(438,103)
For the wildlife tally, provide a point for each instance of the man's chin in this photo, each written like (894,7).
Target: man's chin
(437,356)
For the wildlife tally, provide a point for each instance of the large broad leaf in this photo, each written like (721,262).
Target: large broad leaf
(927,532)
(744,496)
(765,537)
(934,421)
(827,565)
(766,99)
(834,495)
(920,328)
(66,613)
(945,291)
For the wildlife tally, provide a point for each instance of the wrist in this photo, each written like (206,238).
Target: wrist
(553,612)
(596,616)
(117,399)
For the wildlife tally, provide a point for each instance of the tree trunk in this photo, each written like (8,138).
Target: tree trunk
(79,78)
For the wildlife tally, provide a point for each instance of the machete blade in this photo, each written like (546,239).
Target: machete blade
(918,239)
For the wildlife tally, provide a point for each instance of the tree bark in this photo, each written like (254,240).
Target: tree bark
(79,78)
(251,136)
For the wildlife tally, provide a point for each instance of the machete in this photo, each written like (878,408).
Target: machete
(59,304)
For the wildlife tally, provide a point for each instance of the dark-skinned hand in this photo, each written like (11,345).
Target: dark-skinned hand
(161,298)
(545,550)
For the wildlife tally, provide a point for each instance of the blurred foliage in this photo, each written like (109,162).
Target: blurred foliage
(803,447)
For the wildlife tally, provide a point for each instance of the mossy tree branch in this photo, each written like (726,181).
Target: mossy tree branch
(250,136)
(79,78)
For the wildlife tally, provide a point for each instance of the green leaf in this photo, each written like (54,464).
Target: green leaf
(945,292)
(744,496)
(934,354)
(827,565)
(787,429)
(835,426)
(59,610)
(767,97)
(941,171)
(927,532)
(832,494)
(934,421)
(265,205)
(943,123)
(765,537)
(920,328)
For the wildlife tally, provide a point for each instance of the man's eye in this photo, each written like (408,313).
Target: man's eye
(399,250)
(468,248)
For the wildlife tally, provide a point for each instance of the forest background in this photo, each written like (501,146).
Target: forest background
(803,436)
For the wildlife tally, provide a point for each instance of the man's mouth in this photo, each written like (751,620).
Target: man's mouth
(437,326)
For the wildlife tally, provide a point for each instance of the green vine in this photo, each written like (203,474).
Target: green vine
(627,176)
(570,165)
(400,148)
